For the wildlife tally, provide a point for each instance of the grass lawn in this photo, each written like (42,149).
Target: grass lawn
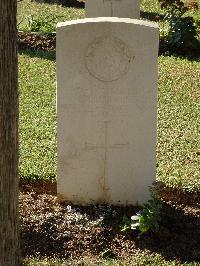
(178,119)
(37,84)
(28,7)
(178,154)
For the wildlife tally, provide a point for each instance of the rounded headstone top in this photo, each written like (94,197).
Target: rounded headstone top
(108,58)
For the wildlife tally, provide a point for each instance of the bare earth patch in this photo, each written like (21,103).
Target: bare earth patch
(36,41)
(53,229)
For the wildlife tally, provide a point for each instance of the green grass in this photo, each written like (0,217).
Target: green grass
(37,83)
(178,123)
(139,259)
(150,6)
(178,119)
(43,13)
(28,7)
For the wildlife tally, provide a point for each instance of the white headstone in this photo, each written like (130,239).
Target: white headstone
(113,8)
(106,108)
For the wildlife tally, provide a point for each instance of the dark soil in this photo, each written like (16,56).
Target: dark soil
(47,42)
(36,41)
(66,3)
(50,228)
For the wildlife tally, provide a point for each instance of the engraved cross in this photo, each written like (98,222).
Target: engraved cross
(106,146)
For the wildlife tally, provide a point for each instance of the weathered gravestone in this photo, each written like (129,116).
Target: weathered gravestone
(106,107)
(113,8)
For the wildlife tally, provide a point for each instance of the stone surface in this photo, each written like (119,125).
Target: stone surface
(113,8)
(106,108)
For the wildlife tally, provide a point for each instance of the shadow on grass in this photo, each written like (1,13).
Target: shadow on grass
(153,16)
(49,55)
(191,54)
(163,50)
(44,46)
(64,230)
(178,237)
(65,3)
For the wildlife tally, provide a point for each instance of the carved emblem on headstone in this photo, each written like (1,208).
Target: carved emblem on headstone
(108,58)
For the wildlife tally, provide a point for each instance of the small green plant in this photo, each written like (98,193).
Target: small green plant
(125,224)
(182,31)
(40,23)
(146,220)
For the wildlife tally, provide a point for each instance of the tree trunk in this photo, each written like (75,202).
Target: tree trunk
(9,247)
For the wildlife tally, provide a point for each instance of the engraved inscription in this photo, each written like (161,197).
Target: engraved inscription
(100,101)
(108,58)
